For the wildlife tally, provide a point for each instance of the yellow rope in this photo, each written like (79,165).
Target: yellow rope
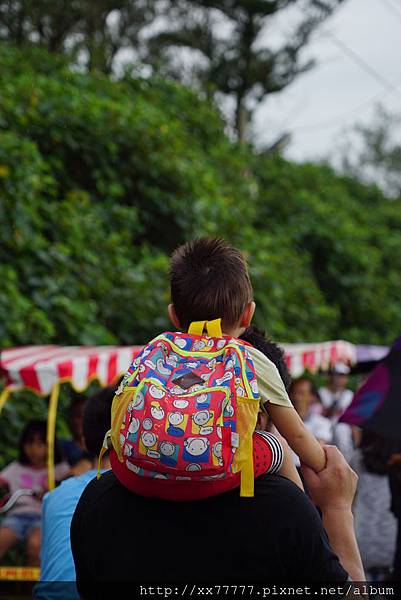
(51,432)
(4,397)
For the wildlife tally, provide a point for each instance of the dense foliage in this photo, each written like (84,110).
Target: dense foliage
(100,180)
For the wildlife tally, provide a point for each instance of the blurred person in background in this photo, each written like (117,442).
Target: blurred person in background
(73,450)
(395,487)
(336,398)
(57,564)
(375,526)
(306,401)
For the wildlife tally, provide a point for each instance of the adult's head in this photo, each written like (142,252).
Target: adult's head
(209,280)
(97,419)
(303,394)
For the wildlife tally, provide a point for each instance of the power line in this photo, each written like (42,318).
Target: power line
(393,8)
(361,62)
(342,117)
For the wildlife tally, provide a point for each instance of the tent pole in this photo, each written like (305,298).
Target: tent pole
(4,397)
(51,432)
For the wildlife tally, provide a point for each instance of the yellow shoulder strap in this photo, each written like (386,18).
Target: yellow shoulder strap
(196,328)
(213,328)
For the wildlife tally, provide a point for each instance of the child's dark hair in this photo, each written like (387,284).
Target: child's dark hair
(97,419)
(36,428)
(257,338)
(209,279)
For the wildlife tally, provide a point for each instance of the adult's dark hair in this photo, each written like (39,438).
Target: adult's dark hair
(209,279)
(33,429)
(257,338)
(97,419)
(376,451)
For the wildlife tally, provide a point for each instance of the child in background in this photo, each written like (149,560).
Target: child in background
(23,521)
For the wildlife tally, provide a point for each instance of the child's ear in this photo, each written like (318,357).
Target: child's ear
(247,315)
(173,316)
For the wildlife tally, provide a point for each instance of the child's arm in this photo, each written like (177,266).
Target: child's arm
(291,427)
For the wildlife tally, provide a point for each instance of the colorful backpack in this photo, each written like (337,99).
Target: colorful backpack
(187,407)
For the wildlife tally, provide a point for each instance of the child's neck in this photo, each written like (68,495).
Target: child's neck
(234,332)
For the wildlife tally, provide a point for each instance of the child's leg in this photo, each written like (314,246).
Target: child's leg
(33,547)
(8,539)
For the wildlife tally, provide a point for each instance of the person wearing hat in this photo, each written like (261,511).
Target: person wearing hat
(336,398)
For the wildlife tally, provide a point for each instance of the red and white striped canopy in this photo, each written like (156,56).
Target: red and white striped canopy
(39,368)
(313,357)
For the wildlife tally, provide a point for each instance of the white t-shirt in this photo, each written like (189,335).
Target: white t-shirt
(342,399)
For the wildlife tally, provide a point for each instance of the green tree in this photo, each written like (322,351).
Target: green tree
(373,152)
(242,64)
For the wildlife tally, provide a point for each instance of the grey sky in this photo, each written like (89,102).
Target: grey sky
(338,92)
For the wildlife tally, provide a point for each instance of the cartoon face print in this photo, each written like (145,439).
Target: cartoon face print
(141,368)
(148,439)
(180,342)
(127,450)
(229,409)
(254,387)
(219,432)
(195,388)
(212,363)
(180,403)
(203,401)
(199,345)
(175,418)
(218,453)
(172,360)
(134,425)
(221,344)
(193,467)
(147,424)
(161,368)
(138,402)
(238,388)
(157,411)
(167,448)
(202,422)
(197,448)
(177,390)
(226,377)
(230,364)
(192,365)
(156,392)
(150,364)
(202,417)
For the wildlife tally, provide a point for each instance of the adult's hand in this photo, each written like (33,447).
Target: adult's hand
(334,487)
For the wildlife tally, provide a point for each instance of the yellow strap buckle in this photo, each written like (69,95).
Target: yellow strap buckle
(213,328)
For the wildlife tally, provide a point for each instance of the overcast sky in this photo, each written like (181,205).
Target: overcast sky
(339,92)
